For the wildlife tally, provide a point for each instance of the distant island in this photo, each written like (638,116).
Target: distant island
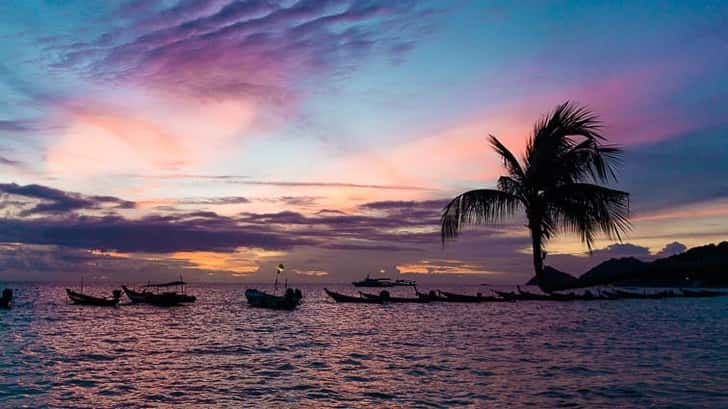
(703,266)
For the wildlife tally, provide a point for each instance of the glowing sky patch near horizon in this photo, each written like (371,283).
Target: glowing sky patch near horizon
(285,119)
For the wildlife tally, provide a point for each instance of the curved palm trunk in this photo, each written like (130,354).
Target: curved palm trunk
(537,243)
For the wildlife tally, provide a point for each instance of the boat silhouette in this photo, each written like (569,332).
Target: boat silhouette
(85,299)
(162,299)
(289,301)
(382,282)
(6,298)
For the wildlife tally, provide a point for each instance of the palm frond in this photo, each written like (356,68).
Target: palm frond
(587,209)
(509,159)
(510,185)
(591,159)
(479,206)
(554,134)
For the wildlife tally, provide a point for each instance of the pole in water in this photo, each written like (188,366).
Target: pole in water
(278,272)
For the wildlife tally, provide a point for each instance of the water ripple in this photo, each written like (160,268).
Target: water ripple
(221,353)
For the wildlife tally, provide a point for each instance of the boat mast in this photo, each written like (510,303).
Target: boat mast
(278,272)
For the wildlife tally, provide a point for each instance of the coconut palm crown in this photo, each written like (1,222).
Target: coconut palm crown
(556,182)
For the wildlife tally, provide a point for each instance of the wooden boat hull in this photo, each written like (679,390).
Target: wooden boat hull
(351,299)
(507,296)
(432,297)
(701,293)
(372,285)
(163,300)
(135,296)
(394,299)
(160,300)
(83,299)
(185,299)
(526,296)
(261,299)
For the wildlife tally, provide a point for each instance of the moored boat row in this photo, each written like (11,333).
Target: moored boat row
(519,295)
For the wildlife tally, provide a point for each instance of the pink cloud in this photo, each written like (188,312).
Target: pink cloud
(458,153)
(146,133)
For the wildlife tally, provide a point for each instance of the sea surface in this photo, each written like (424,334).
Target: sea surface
(219,352)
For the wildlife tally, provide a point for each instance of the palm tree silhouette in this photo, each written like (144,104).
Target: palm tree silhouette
(556,183)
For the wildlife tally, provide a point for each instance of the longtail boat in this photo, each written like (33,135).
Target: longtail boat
(432,295)
(525,295)
(385,297)
(606,295)
(453,297)
(148,297)
(289,301)
(6,298)
(351,299)
(162,299)
(84,299)
(586,296)
(701,293)
(180,294)
(509,296)
(645,295)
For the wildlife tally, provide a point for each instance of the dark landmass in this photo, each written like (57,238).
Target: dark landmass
(611,271)
(556,280)
(704,266)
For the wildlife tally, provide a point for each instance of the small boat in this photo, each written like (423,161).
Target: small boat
(565,297)
(525,295)
(701,293)
(586,296)
(163,299)
(351,299)
(136,296)
(6,298)
(629,294)
(148,297)
(606,295)
(84,299)
(382,282)
(180,295)
(506,295)
(645,295)
(384,296)
(432,295)
(663,294)
(289,301)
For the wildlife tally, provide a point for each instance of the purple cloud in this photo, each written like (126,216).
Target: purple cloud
(255,48)
(54,201)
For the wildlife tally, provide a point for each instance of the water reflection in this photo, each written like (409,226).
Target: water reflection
(221,352)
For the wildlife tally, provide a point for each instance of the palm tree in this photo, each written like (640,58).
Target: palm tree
(556,182)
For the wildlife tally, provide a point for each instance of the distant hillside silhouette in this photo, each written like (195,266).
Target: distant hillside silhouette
(611,271)
(704,266)
(556,280)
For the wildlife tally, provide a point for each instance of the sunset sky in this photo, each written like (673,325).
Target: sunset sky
(218,138)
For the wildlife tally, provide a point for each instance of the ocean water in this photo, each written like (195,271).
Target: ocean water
(221,353)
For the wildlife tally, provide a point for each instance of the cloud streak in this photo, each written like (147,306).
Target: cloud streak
(257,48)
